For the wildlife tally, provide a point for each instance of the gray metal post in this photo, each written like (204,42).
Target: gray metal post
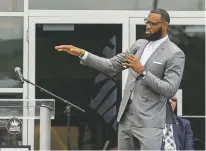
(45,127)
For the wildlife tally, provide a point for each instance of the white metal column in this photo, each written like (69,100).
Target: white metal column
(25,73)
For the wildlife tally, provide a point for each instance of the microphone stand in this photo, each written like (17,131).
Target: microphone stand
(67,103)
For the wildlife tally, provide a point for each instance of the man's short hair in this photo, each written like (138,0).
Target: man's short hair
(164,14)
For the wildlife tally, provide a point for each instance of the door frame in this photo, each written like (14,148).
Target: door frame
(113,19)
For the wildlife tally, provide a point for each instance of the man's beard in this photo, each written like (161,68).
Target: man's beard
(155,36)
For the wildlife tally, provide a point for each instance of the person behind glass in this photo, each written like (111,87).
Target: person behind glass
(155,73)
(182,133)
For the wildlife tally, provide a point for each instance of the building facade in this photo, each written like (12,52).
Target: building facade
(30,29)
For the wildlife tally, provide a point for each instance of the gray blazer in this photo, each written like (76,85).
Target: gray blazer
(165,69)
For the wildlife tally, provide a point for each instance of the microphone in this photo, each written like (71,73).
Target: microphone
(134,50)
(20,76)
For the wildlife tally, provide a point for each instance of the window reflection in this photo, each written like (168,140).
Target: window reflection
(174,5)
(9,107)
(11,54)
(191,39)
(5,137)
(11,5)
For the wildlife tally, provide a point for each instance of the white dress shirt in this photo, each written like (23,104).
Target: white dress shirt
(150,48)
(85,55)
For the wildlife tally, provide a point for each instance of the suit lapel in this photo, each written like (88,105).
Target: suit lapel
(140,51)
(139,54)
(156,52)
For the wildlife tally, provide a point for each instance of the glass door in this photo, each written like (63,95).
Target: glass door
(63,75)
(189,35)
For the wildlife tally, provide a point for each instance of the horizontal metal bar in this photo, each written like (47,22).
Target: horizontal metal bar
(11,90)
(21,14)
(195,116)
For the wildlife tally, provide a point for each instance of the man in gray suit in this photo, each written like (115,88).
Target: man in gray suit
(155,71)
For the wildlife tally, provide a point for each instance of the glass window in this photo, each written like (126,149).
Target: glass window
(81,85)
(5,137)
(191,39)
(7,107)
(183,5)
(11,50)
(11,96)
(11,5)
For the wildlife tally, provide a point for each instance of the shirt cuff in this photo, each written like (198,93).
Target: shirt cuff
(84,56)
